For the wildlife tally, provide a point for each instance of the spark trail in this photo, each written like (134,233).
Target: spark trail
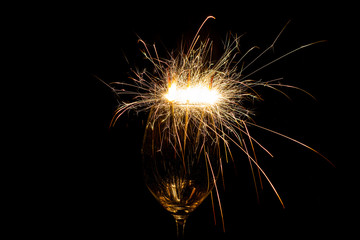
(190,88)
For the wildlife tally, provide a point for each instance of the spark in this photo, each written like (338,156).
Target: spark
(191,87)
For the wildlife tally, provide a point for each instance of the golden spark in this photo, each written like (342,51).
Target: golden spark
(191,87)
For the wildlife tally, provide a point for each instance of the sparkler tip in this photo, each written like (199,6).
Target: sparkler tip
(196,95)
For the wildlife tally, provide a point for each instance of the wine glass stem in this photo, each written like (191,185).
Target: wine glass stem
(180,227)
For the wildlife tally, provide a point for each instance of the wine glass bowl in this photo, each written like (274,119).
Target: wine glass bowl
(181,164)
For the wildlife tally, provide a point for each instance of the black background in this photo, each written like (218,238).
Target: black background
(91,184)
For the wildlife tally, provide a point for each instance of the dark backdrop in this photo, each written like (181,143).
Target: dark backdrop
(96,188)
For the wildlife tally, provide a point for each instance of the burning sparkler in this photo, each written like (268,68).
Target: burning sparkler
(191,89)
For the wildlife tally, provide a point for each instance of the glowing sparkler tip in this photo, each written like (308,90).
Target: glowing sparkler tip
(192,95)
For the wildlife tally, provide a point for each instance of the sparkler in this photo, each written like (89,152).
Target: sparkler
(190,89)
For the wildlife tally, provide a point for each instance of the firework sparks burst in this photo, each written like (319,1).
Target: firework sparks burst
(191,88)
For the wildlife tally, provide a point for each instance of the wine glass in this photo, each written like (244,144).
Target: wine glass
(181,160)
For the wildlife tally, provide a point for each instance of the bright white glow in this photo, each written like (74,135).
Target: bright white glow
(194,95)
